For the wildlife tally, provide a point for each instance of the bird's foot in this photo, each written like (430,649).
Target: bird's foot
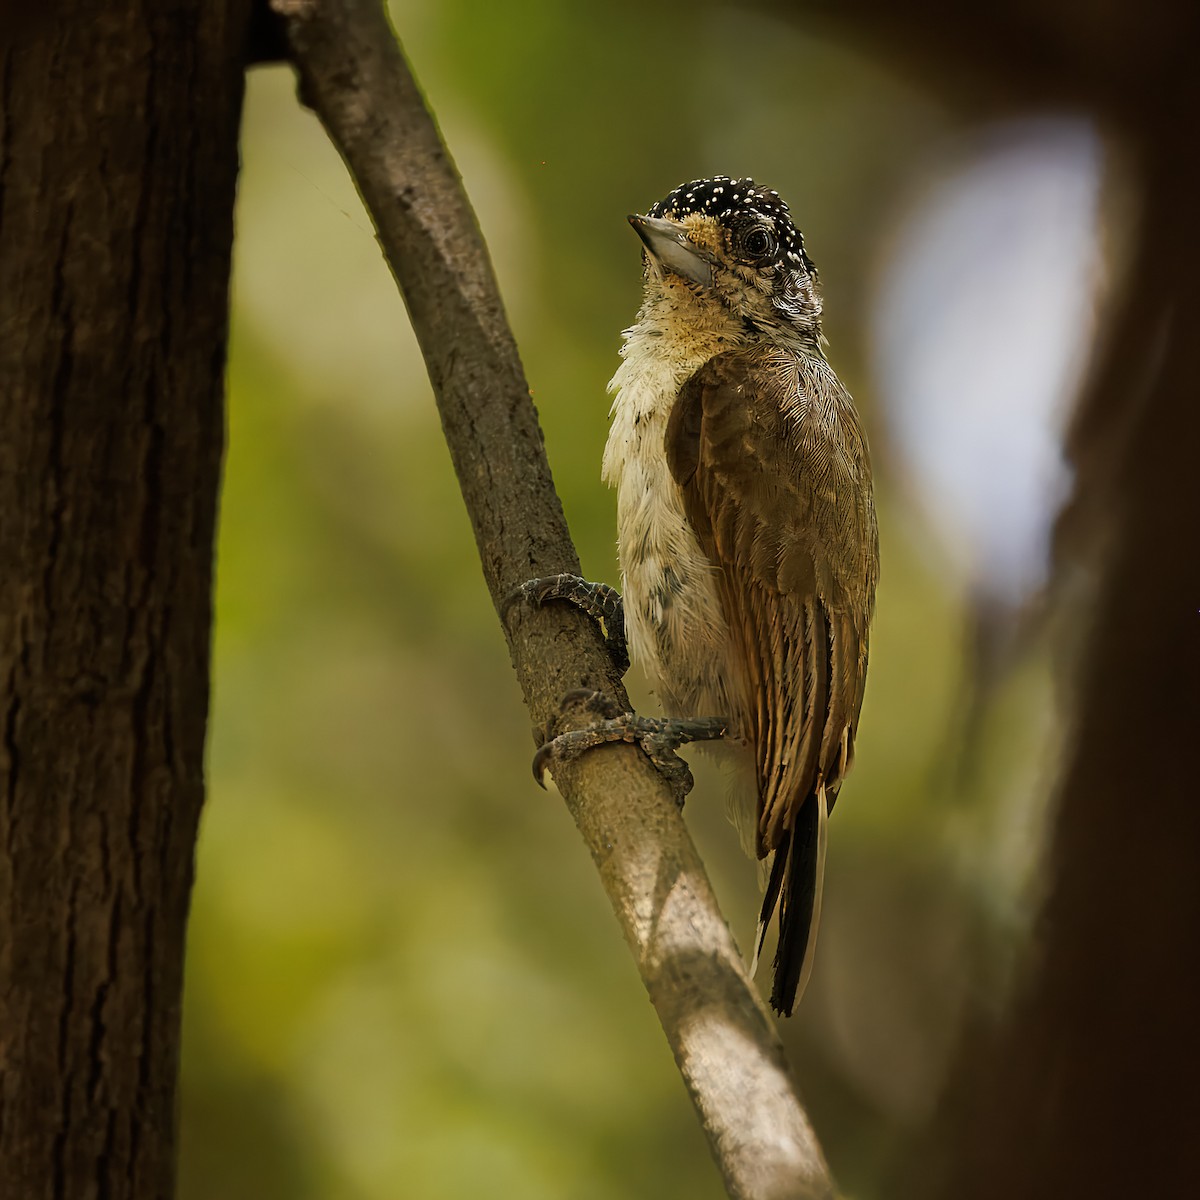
(659,737)
(601,602)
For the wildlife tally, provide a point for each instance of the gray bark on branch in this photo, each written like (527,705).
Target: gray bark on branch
(354,76)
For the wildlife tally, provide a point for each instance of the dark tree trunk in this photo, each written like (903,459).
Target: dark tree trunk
(118,161)
(1088,1086)
(1091,1088)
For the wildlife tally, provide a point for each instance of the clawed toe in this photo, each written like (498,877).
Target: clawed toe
(534,592)
(599,601)
(565,746)
(541,761)
(659,738)
(669,765)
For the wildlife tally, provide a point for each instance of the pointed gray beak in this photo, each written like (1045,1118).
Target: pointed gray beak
(668,242)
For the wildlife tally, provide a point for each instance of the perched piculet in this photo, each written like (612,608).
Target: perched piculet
(746,527)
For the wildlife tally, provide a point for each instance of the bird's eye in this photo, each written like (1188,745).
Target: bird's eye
(758,242)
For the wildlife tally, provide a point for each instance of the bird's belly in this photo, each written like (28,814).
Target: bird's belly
(673,618)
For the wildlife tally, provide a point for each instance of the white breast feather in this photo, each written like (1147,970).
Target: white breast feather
(673,618)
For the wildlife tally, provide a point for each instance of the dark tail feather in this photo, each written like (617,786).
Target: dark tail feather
(794,886)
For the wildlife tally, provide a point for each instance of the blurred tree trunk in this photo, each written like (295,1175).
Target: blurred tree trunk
(118,161)
(1091,1086)
(1088,1086)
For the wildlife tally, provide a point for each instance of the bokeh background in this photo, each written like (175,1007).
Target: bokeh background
(403,976)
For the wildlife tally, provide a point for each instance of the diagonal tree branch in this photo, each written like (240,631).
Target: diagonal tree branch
(353,75)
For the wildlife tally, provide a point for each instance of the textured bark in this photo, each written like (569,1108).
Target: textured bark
(730,1058)
(118,159)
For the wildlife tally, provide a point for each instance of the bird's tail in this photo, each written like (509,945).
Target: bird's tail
(794,890)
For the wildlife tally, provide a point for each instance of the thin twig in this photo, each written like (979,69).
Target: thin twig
(353,75)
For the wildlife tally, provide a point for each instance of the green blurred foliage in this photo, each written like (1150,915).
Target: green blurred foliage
(403,977)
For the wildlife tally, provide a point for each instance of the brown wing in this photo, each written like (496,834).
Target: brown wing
(773,466)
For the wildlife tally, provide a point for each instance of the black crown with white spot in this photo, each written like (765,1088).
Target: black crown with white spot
(731,199)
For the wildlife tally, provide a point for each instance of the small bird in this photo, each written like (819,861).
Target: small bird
(747,537)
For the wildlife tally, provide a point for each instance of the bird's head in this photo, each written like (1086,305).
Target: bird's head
(732,243)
